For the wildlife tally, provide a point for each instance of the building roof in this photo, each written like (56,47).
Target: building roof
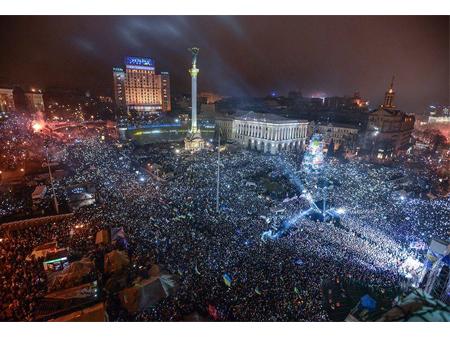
(393,112)
(266,117)
(418,306)
(5,89)
(335,125)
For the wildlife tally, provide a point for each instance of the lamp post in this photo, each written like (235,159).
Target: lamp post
(218,175)
(55,201)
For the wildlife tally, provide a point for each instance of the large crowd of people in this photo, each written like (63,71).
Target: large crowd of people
(174,223)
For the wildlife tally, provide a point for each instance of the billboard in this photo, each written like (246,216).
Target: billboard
(139,62)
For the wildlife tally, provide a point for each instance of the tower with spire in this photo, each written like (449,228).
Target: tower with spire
(389,129)
(389,96)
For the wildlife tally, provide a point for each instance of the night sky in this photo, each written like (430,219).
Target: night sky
(238,55)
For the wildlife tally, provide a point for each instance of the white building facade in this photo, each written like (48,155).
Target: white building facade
(268,133)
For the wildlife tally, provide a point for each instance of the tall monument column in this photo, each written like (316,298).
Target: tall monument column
(194,140)
(194,72)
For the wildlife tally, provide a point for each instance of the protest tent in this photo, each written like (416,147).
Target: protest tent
(116,261)
(95,313)
(75,274)
(144,294)
(42,250)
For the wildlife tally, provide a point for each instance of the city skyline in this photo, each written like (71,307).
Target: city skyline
(321,56)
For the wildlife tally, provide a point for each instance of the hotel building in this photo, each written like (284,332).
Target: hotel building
(139,89)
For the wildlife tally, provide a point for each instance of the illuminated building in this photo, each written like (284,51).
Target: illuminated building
(388,129)
(264,132)
(34,101)
(440,119)
(139,89)
(142,86)
(194,140)
(119,87)
(6,100)
(340,134)
(439,115)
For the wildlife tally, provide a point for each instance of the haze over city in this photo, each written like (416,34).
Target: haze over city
(242,55)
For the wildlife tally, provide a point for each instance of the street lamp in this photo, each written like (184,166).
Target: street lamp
(55,201)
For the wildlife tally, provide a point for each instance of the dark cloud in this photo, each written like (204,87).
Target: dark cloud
(238,55)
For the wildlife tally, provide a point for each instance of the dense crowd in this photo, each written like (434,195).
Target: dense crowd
(174,223)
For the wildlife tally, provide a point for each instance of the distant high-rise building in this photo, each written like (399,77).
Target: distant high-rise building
(119,87)
(34,101)
(6,100)
(139,89)
(142,86)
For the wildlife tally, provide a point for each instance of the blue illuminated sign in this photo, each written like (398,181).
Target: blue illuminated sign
(139,61)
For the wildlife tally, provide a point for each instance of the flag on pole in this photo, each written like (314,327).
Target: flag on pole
(227,279)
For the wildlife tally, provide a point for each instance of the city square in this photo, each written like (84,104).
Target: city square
(169,197)
(174,223)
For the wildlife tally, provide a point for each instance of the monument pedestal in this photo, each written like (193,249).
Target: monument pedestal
(194,141)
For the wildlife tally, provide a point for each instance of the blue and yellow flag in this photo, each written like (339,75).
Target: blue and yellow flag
(227,279)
